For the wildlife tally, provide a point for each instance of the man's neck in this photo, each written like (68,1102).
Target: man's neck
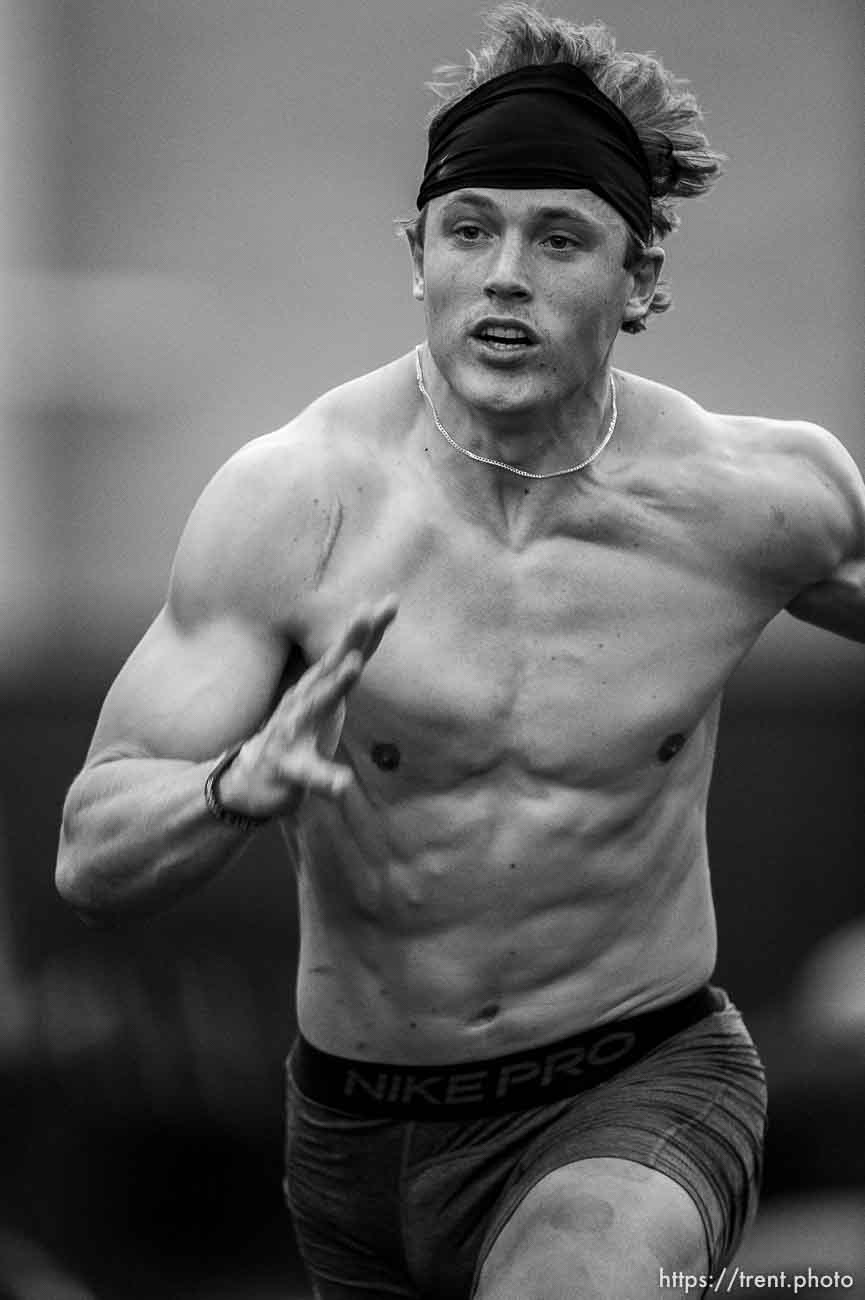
(513,508)
(541,439)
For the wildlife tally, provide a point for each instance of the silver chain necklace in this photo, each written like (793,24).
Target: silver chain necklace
(500,464)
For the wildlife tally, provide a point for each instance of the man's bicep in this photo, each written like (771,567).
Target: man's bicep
(190,691)
(208,671)
(837,600)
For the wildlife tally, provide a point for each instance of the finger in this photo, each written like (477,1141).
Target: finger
(381,617)
(321,694)
(367,627)
(363,632)
(316,775)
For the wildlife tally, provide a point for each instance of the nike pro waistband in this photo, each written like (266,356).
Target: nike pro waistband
(517,1081)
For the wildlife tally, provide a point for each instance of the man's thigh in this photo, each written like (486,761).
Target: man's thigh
(595,1229)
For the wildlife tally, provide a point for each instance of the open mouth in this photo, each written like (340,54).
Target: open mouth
(504,338)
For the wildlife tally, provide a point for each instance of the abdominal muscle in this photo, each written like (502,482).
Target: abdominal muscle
(497,916)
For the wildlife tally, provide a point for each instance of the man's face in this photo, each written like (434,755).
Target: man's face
(524,293)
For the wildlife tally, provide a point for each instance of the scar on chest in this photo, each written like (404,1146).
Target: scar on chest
(385,755)
(334,524)
(670,747)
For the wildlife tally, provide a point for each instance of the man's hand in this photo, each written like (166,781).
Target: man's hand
(291,755)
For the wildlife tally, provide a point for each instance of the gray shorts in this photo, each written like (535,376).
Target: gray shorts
(405,1207)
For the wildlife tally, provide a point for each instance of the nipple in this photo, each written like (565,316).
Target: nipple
(385,755)
(670,747)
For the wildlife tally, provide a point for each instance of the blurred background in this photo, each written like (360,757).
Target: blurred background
(195,240)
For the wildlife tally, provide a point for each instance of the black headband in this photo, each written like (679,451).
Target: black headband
(546,126)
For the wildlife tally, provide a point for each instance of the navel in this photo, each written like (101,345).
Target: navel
(385,755)
(670,747)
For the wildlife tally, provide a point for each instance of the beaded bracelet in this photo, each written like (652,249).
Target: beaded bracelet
(217,808)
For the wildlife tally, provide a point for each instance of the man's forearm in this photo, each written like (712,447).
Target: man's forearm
(137,835)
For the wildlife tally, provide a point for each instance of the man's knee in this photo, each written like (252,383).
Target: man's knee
(592,1230)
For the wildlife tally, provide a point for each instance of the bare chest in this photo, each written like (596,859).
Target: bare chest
(577,658)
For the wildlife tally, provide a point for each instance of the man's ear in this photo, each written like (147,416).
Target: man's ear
(645,274)
(415,247)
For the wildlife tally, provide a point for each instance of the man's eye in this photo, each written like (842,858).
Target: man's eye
(467,232)
(559,243)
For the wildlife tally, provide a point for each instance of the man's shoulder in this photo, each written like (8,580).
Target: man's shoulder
(261,521)
(767,444)
(796,459)
(783,441)
(344,420)
(772,484)
(326,444)
(796,477)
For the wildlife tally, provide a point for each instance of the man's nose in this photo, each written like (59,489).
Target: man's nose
(507,275)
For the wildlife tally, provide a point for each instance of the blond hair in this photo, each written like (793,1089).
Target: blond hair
(661,107)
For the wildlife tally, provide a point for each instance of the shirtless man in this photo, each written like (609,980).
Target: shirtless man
(512,1081)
